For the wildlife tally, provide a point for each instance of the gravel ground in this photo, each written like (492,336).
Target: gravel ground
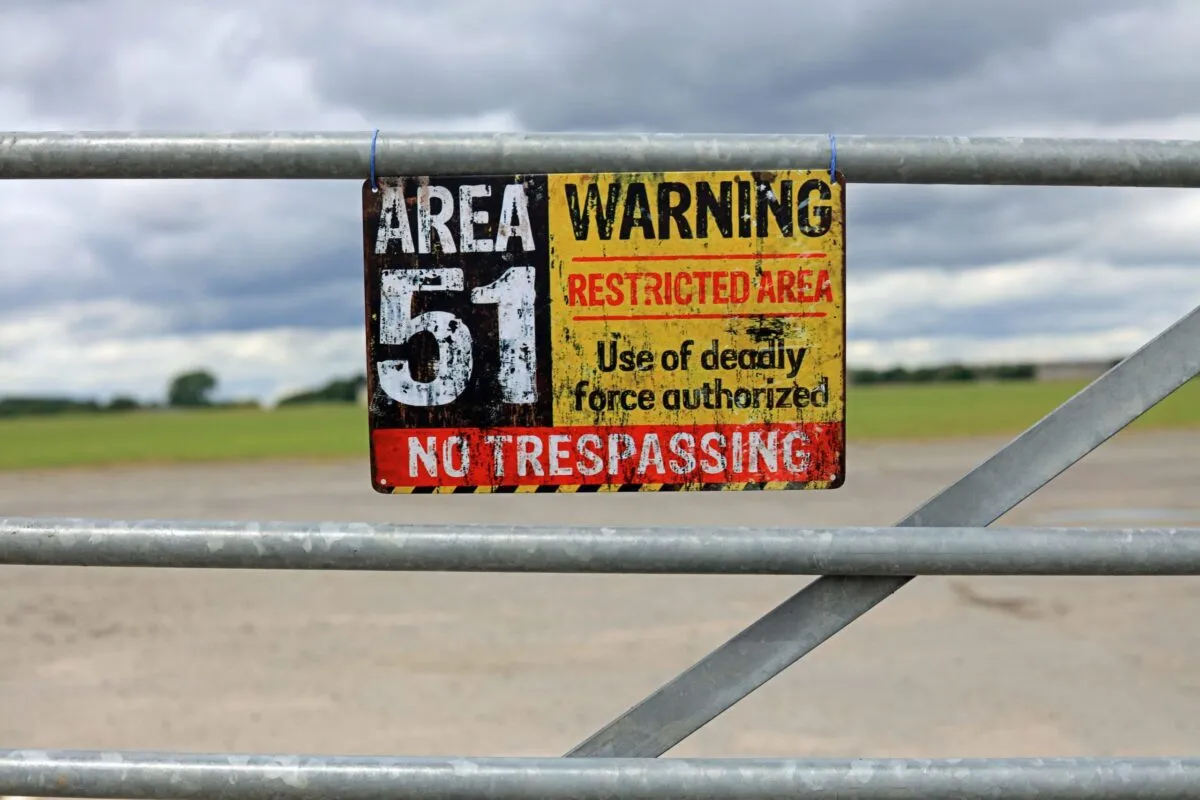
(427,664)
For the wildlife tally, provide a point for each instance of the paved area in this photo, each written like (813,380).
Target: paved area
(423,664)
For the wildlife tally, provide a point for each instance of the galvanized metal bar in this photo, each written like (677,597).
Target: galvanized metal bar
(649,550)
(134,776)
(827,605)
(346,156)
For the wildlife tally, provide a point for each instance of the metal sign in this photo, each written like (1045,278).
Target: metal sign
(606,332)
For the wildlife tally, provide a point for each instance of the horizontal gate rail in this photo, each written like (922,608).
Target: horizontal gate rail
(860,567)
(262,777)
(347,156)
(650,550)
(822,608)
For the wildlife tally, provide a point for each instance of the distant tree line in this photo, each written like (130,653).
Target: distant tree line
(191,389)
(945,373)
(343,390)
(29,406)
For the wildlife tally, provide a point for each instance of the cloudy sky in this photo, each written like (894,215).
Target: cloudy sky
(111,287)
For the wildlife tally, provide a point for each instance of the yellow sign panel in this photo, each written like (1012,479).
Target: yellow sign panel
(705,301)
(680,331)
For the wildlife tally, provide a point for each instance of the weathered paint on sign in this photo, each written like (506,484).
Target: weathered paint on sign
(606,332)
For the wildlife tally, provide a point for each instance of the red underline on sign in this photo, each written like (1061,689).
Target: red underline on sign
(700,257)
(747,315)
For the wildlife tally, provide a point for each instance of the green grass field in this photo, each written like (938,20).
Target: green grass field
(317,432)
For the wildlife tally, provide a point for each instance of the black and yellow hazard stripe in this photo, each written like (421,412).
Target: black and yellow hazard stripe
(738,486)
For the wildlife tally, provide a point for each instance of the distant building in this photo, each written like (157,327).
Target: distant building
(1072,370)
(1080,370)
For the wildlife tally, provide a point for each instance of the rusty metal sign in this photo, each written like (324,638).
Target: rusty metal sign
(606,332)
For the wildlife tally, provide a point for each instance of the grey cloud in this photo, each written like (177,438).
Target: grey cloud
(317,297)
(240,256)
(965,227)
(875,67)
(882,67)
(1062,314)
(272,253)
(962,227)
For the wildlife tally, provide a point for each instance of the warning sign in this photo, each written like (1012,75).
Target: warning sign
(606,332)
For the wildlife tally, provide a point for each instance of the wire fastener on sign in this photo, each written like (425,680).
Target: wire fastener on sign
(832,157)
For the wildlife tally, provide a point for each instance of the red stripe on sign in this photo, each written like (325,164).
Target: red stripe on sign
(698,257)
(740,315)
(674,454)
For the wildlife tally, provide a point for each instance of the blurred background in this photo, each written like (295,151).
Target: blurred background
(110,290)
(148,323)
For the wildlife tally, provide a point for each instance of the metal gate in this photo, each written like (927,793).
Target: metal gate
(860,567)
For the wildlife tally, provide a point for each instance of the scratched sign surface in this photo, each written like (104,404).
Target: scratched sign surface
(606,332)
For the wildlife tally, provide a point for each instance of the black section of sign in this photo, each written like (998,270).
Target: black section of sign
(481,403)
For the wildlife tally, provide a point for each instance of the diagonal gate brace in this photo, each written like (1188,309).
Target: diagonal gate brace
(827,605)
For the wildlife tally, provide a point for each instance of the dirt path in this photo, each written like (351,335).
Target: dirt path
(522,665)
